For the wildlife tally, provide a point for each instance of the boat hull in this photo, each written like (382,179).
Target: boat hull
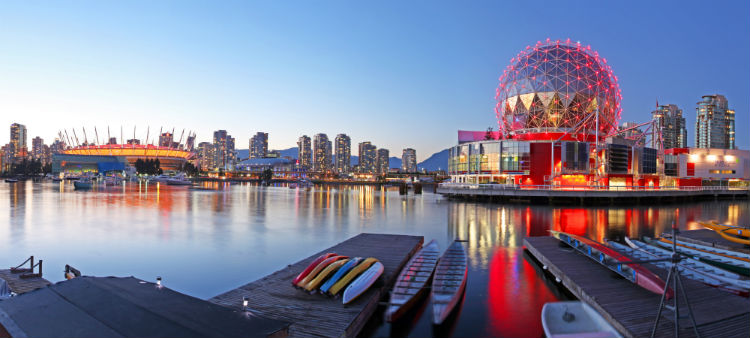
(310,267)
(585,322)
(363,283)
(314,273)
(356,271)
(449,282)
(412,280)
(321,277)
(340,273)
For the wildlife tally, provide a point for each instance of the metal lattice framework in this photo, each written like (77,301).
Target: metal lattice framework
(554,86)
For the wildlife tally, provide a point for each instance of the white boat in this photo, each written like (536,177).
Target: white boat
(363,282)
(159,179)
(179,179)
(574,319)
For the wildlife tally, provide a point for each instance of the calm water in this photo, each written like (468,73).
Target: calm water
(207,241)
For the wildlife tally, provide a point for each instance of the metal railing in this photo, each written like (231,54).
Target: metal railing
(475,186)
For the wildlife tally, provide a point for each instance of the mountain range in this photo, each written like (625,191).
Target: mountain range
(437,161)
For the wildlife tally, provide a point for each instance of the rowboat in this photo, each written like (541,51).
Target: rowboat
(321,277)
(726,262)
(363,282)
(411,282)
(690,268)
(340,273)
(449,282)
(736,254)
(310,267)
(574,319)
(83,184)
(344,281)
(728,229)
(616,262)
(322,265)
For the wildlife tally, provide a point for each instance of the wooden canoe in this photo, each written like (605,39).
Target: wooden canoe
(323,275)
(310,267)
(356,271)
(449,282)
(363,282)
(340,273)
(729,229)
(314,273)
(616,262)
(411,282)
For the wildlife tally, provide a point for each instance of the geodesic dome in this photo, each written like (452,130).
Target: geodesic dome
(558,86)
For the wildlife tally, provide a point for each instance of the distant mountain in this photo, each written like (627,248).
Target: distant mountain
(438,161)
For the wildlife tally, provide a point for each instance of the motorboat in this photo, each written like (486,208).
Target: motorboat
(159,179)
(11,180)
(83,184)
(574,319)
(179,179)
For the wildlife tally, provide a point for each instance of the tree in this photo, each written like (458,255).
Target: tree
(189,169)
(267,175)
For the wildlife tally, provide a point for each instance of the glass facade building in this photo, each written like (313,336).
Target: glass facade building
(670,123)
(714,123)
(343,153)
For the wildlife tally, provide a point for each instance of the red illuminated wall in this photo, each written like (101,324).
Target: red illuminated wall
(540,163)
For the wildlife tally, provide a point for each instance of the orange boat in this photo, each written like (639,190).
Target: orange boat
(318,269)
(310,267)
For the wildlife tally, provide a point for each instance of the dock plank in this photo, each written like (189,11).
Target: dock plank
(22,285)
(631,309)
(316,315)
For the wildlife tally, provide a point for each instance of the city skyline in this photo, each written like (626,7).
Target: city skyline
(56,78)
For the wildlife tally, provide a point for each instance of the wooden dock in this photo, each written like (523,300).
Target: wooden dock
(316,315)
(710,238)
(631,309)
(22,285)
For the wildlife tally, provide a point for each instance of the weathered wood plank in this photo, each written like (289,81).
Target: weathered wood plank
(22,285)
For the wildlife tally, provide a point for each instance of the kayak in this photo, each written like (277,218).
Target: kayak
(344,281)
(735,239)
(310,267)
(575,319)
(321,277)
(729,229)
(411,282)
(363,282)
(449,282)
(616,262)
(723,261)
(690,268)
(314,273)
(340,273)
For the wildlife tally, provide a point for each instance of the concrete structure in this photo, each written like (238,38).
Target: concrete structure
(409,160)
(343,154)
(368,157)
(304,152)
(669,122)
(382,164)
(259,145)
(632,132)
(166,139)
(169,158)
(321,153)
(74,164)
(714,123)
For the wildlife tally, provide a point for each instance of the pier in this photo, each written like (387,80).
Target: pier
(316,315)
(631,309)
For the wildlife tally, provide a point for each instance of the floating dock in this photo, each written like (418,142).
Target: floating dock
(631,309)
(22,285)
(316,315)
(710,238)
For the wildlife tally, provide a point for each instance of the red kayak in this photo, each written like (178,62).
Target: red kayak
(312,266)
(616,262)
(315,271)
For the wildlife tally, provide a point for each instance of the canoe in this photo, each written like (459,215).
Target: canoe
(411,282)
(729,229)
(322,265)
(690,268)
(735,239)
(449,282)
(615,261)
(323,275)
(731,253)
(340,273)
(574,319)
(723,261)
(363,282)
(310,267)
(344,281)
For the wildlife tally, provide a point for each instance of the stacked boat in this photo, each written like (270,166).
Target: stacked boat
(731,233)
(330,273)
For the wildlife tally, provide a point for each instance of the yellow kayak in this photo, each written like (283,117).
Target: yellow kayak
(321,277)
(727,229)
(322,265)
(740,240)
(336,288)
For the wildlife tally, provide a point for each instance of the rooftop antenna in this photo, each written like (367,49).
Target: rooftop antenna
(148,128)
(133,136)
(85,139)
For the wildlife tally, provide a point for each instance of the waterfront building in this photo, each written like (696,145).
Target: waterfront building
(206,156)
(714,123)
(18,140)
(259,145)
(706,166)
(343,153)
(224,153)
(383,164)
(8,156)
(409,160)
(37,148)
(304,152)
(321,153)
(190,142)
(367,158)
(58,146)
(165,139)
(279,166)
(669,122)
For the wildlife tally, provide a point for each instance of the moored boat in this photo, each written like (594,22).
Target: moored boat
(179,179)
(310,267)
(731,253)
(411,282)
(323,275)
(339,274)
(728,229)
(574,319)
(449,282)
(314,273)
(363,282)
(726,262)
(353,273)
(735,239)
(83,184)
(616,262)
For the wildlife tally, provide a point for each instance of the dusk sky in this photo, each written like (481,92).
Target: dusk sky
(396,74)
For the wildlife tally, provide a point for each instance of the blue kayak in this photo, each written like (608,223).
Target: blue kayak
(340,273)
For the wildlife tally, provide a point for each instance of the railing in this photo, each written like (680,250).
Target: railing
(474,186)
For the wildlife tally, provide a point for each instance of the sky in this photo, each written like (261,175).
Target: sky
(398,74)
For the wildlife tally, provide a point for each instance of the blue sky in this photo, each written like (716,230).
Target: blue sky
(399,74)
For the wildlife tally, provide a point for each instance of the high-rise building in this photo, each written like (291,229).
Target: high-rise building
(190,142)
(321,153)
(304,152)
(631,132)
(259,145)
(112,140)
(206,156)
(166,139)
(409,160)
(714,123)
(8,156)
(18,140)
(343,153)
(383,164)
(668,121)
(37,148)
(57,146)
(367,157)
(224,154)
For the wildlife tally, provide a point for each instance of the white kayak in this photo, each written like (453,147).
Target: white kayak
(574,319)
(363,282)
